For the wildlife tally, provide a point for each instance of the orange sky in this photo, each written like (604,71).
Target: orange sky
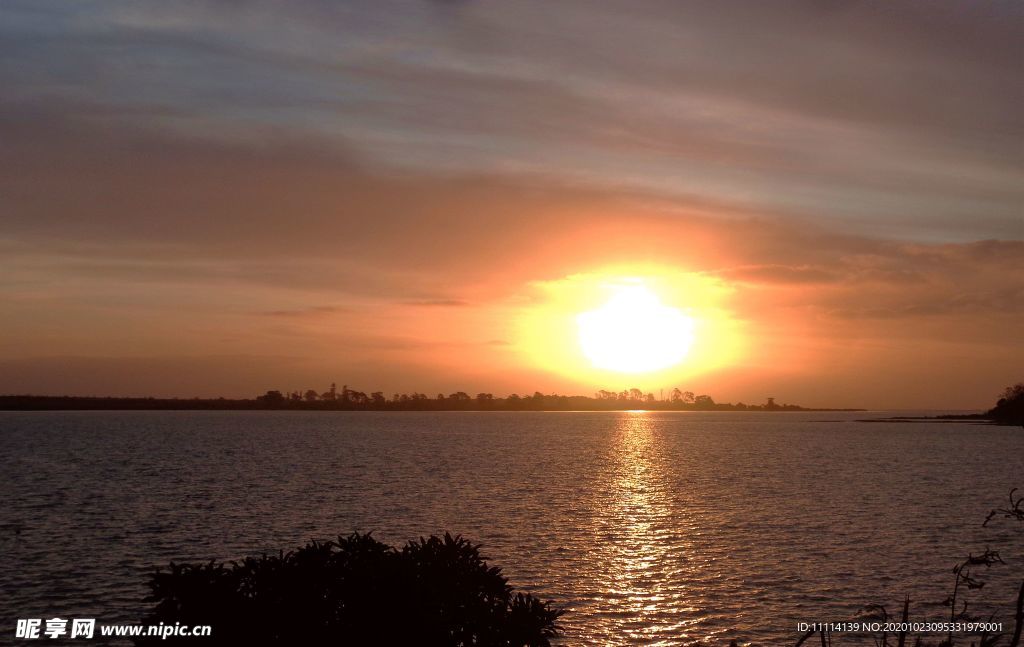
(389,211)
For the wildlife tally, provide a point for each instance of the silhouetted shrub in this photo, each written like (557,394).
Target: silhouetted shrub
(355,591)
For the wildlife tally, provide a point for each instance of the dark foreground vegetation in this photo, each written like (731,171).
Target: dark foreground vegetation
(348,399)
(435,592)
(968,576)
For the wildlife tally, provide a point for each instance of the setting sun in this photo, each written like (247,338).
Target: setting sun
(660,325)
(634,332)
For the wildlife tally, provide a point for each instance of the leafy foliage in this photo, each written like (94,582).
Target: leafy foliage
(356,590)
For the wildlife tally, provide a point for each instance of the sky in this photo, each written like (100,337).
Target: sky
(221,198)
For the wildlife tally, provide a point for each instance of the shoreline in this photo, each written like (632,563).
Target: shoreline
(560,403)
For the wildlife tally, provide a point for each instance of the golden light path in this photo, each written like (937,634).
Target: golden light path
(643,554)
(653,325)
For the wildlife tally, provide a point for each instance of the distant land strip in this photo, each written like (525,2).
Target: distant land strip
(277,401)
(976,418)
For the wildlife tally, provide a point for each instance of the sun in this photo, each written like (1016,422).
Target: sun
(634,332)
(657,324)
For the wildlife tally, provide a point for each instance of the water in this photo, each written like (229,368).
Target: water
(648,528)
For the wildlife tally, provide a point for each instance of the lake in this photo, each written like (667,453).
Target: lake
(648,528)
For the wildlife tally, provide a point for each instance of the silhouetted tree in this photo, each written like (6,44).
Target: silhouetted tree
(435,592)
(704,401)
(348,399)
(1009,410)
(272,398)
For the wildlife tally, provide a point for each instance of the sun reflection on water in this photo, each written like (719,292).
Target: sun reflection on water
(642,557)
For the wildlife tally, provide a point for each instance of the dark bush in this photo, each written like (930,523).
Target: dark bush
(355,591)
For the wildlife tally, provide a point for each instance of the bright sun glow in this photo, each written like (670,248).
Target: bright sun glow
(659,325)
(634,332)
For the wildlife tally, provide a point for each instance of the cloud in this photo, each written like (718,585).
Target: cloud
(303,313)
(780,274)
(443,303)
(288,215)
(895,120)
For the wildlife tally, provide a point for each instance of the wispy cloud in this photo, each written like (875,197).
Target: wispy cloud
(305,313)
(902,120)
(442,303)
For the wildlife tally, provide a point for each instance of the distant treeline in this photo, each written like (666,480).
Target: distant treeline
(347,399)
(1009,410)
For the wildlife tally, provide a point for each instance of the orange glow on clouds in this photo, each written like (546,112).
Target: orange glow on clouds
(656,324)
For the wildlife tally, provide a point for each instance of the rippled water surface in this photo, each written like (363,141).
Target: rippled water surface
(648,528)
